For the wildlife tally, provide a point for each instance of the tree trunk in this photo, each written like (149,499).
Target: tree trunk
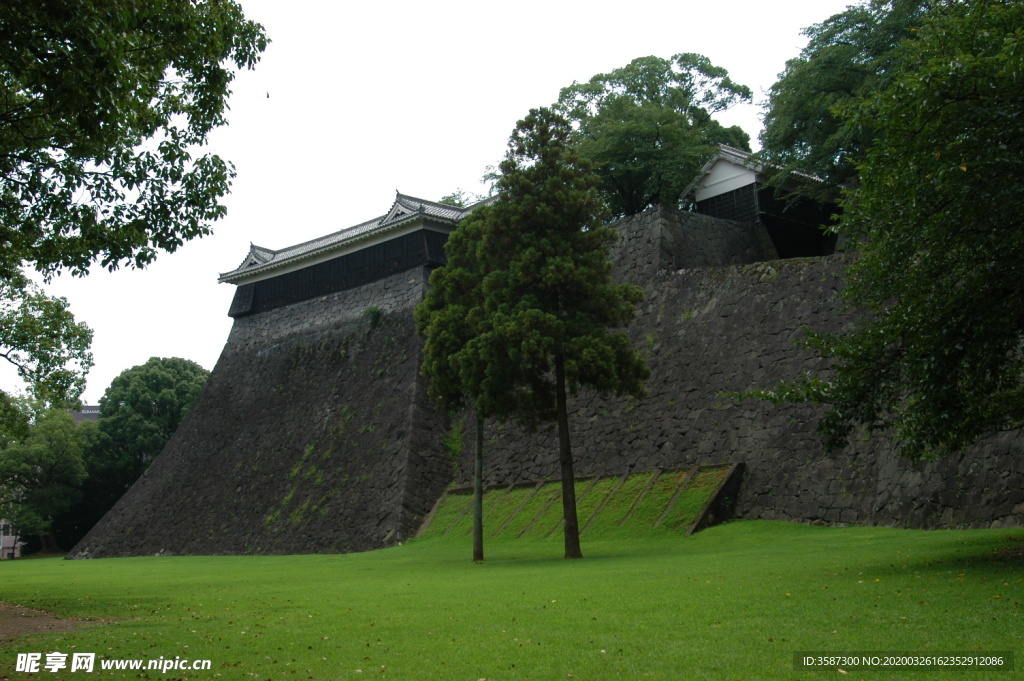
(572,525)
(478,492)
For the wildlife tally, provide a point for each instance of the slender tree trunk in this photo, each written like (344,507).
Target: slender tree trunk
(478,491)
(572,525)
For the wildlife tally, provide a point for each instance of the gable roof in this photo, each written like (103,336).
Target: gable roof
(404,210)
(745,166)
(729,155)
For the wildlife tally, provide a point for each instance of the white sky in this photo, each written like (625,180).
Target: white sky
(352,101)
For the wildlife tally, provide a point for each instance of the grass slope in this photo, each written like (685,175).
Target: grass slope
(733,602)
(608,508)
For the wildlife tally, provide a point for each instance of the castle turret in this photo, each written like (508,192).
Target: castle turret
(410,235)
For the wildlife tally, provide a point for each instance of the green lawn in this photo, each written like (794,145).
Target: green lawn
(732,602)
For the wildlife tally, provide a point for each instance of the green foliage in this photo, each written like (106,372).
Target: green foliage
(937,220)
(519,315)
(139,413)
(460,198)
(144,405)
(40,474)
(102,105)
(452,313)
(549,294)
(40,337)
(849,55)
(647,126)
(373,315)
(548,291)
(527,277)
(345,416)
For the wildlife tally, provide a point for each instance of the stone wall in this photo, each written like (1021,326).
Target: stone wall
(313,434)
(661,239)
(726,329)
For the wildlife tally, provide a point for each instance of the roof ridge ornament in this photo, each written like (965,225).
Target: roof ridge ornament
(256,256)
(260,262)
(400,208)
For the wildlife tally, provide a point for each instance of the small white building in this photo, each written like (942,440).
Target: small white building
(10,546)
(734,186)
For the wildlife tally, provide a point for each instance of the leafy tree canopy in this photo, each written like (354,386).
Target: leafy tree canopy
(519,317)
(451,315)
(460,198)
(549,289)
(549,299)
(849,55)
(104,106)
(647,127)
(40,474)
(143,407)
(139,413)
(938,220)
(40,337)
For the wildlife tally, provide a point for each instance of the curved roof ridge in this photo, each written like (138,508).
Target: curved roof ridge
(403,209)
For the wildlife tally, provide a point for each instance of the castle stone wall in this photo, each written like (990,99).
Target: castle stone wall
(312,434)
(661,239)
(727,329)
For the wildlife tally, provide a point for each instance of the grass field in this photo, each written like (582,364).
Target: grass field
(732,602)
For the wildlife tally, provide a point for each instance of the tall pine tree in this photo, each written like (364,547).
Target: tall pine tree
(546,300)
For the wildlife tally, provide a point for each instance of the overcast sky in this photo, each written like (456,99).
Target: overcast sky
(352,101)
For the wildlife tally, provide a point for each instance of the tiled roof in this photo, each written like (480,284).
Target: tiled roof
(403,210)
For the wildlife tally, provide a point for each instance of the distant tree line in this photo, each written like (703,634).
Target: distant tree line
(57,481)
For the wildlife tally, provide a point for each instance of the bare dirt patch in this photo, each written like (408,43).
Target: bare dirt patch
(18,621)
